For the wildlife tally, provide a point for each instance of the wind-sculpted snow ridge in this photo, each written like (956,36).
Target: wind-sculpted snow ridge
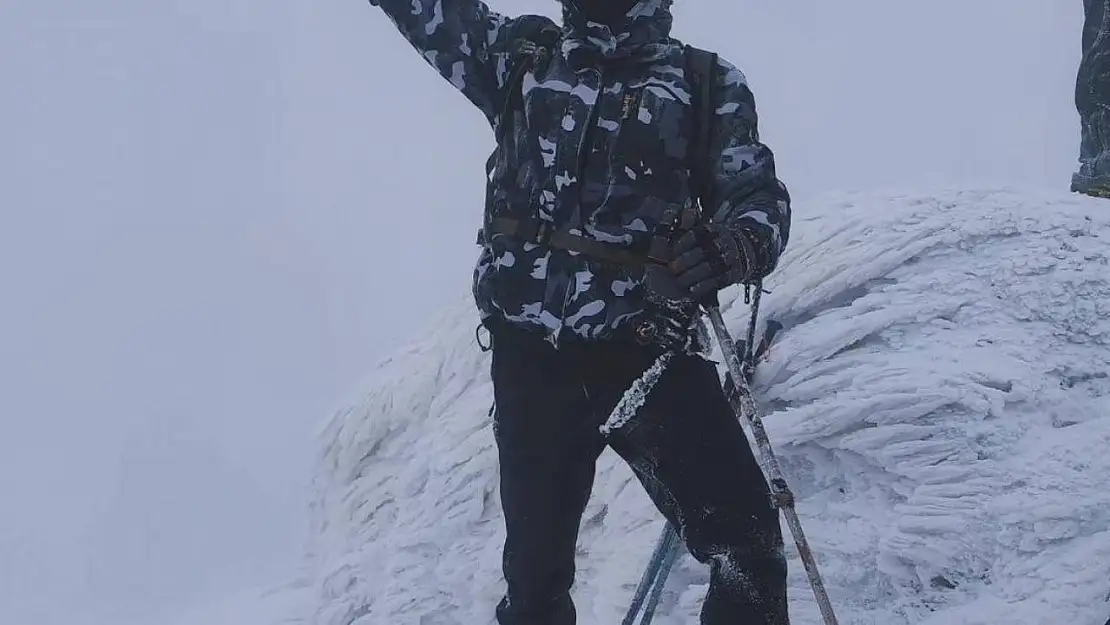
(939,399)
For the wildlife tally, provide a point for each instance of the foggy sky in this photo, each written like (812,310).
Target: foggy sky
(215,216)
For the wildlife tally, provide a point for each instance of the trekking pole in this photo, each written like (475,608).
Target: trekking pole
(668,560)
(780,490)
(655,576)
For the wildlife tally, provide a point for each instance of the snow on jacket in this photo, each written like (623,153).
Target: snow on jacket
(599,144)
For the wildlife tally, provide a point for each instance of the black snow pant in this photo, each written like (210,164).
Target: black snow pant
(1092,100)
(684,444)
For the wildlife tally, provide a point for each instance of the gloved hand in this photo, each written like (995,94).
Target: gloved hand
(670,323)
(709,258)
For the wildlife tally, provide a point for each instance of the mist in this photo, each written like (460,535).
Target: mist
(216,215)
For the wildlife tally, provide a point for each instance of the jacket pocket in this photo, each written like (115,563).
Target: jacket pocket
(648,159)
(654,126)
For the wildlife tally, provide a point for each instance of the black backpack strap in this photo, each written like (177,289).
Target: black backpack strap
(532,43)
(701,67)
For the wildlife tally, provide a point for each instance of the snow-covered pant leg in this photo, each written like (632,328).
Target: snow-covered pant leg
(548,444)
(693,458)
(1092,99)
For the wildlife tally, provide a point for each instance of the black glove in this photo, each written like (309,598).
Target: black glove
(672,313)
(709,258)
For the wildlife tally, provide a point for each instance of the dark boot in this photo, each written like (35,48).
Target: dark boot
(1092,101)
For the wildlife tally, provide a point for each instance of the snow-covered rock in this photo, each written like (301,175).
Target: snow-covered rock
(939,400)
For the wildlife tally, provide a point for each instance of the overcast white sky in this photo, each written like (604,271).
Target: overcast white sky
(215,215)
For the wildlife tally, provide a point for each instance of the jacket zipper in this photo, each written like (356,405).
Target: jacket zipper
(583,144)
(584,147)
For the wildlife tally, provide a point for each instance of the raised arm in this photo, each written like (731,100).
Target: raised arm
(462,39)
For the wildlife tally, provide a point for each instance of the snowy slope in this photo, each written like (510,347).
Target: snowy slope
(939,400)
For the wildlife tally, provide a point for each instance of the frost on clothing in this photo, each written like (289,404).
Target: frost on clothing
(636,395)
(600,145)
(937,400)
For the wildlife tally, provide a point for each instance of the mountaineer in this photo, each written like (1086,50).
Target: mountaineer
(596,254)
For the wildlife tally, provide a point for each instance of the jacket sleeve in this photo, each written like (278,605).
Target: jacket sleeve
(748,197)
(462,39)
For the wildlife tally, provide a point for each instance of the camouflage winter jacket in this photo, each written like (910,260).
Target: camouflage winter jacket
(598,143)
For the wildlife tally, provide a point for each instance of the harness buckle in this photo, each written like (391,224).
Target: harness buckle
(646,332)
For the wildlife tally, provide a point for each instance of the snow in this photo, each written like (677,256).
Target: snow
(257,604)
(939,400)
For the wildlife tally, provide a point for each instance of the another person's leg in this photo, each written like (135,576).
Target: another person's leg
(1092,101)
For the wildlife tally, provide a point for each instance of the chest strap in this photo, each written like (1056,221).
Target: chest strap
(541,233)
